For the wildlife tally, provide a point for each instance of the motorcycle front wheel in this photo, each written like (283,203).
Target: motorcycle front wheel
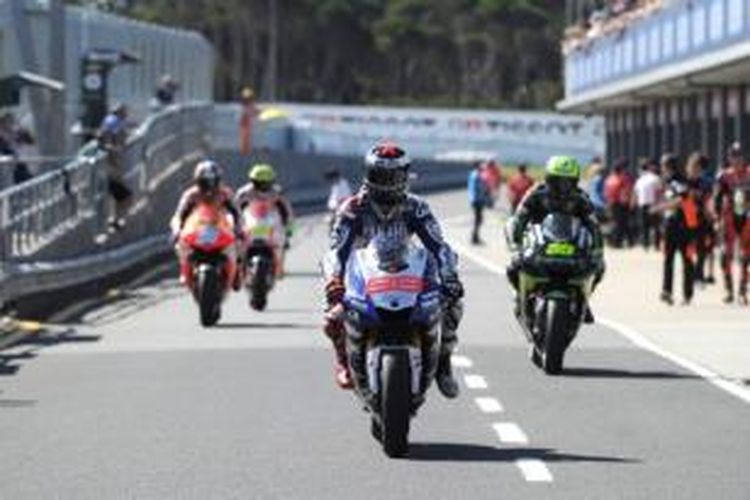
(395,403)
(556,335)
(208,294)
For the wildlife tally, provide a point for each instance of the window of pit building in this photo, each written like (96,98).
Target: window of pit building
(736,16)
(699,26)
(716,28)
(683,32)
(668,38)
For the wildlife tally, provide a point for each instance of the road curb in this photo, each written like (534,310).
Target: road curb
(13,330)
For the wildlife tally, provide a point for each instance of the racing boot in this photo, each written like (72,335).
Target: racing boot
(444,378)
(588,316)
(334,330)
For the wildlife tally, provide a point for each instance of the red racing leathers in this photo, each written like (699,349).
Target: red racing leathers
(732,206)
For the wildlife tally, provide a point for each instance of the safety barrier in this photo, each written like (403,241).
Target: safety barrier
(55,225)
(50,226)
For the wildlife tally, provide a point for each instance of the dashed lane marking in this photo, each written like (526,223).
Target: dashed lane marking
(534,470)
(633,336)
(461,361)
(489,405)
(475,382)
(510,433)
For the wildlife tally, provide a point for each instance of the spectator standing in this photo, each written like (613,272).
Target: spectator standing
(493,179)
(112,138)
(680,224)
(247,117)
(518,185)
(701,188)
(12,139)
(647,192)
(618,191)
(478,199)
(595,187)
(165,92)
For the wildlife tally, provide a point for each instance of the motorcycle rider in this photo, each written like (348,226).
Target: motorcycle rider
(383,206)
(207,188)
(263,186)
(559,193)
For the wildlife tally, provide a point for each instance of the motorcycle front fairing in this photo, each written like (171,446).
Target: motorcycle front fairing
(377,297)
(392,309)
(556,261)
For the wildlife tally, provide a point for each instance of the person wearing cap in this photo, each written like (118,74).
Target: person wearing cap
(112,137)
(732,208)
(680,224)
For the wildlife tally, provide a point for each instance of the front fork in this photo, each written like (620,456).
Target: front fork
(365,355)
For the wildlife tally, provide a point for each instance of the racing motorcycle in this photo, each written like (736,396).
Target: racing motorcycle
(208,236)
(391,311)
(555,282)
(266,239)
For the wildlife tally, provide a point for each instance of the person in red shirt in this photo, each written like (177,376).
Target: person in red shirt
(618,193)
(732,207)
(518,185)
(491,176)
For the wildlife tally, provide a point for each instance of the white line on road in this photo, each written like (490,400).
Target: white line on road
(510,433)
(461,361)
(710,376)
(489,405)
(534,470)
(475,382)
(632,335)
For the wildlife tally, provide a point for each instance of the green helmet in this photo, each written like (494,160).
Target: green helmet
(262,173)
(561,175)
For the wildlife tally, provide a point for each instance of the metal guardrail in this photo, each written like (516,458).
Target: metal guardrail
(49,225)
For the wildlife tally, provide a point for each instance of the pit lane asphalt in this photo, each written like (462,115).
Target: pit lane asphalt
(138,401)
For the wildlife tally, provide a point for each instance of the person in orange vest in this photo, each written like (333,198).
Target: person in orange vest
(249,112)
(680,225)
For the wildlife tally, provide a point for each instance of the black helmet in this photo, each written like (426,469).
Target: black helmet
(207,176)
(387,175)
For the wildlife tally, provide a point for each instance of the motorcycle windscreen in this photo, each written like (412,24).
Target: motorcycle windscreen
(262,221)
(395,284)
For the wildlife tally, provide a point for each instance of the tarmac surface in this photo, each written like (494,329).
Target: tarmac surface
(136,400)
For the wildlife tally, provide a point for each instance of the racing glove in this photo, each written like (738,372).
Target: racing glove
(334,290)
(452,287)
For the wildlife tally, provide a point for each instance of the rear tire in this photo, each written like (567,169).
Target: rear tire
(556,335)
(208,295)
(395,403)
(259,284)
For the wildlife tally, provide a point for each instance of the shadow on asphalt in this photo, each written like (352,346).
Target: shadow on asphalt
(264,326)
(452,452)
(30,347)
(624,374)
